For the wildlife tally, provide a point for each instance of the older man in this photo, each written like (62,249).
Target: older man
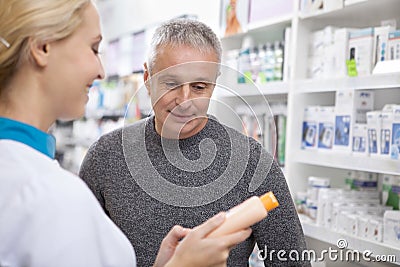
(182,166)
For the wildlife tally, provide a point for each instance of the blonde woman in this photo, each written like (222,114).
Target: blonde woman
(48,217)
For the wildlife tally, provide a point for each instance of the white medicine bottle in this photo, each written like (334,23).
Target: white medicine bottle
(246,214)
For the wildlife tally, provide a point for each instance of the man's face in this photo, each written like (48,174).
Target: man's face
(180,88)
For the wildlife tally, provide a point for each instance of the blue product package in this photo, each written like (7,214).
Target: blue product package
(395,141)
(359,144)
(309,134)
(325,135)
(342,130)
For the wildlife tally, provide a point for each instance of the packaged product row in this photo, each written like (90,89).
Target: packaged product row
(267,128)
(340,52)
(353,126)
(364,208)
(258,63)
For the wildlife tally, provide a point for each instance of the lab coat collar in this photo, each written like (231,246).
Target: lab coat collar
(28,135)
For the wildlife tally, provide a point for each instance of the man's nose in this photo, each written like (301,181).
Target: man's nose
(183,97)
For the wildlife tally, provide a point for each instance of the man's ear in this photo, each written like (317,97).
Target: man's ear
(146,77)
(40,52)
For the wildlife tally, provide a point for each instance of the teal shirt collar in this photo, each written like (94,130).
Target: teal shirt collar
(29,135)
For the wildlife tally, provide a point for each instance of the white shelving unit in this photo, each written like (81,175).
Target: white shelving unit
(347,162)
(274,27)
(268,89)
(300,92)
(377,81)
(354,243)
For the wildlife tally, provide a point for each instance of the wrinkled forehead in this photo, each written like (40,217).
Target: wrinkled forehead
(195,71)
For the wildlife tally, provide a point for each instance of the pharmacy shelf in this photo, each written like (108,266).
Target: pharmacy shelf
(277,24)
(267,31)
(362,10)
(245,90)
(317,14)
(334,159)
(354,243)
(104,113)
(64,142)
(377,81)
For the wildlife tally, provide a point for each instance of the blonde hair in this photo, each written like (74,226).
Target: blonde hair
(35,20)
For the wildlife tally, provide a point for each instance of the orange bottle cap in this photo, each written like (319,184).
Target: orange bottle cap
(269,201)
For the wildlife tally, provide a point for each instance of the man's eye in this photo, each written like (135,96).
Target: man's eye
(171,85)
(199,86)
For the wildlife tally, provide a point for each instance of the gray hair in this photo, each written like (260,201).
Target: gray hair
(184,32)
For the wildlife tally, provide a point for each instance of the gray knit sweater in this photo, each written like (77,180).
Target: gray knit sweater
(145,220)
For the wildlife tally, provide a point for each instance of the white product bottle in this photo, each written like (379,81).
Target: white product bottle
(246,214)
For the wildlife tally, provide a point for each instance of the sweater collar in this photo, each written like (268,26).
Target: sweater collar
(28,135)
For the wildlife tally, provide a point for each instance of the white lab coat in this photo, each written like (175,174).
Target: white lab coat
(49,217)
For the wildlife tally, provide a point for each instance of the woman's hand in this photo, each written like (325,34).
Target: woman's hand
(196,249)
(169,244)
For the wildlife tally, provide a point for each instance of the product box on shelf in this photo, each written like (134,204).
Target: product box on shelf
(320,39)
(365,181)
(362,226)
(312,6)
(315,185)
(381,38)
(360,134)
(315,68)
(395,143)
(391,190)
(312,208)
(394,45)
(362,181)
(310,127)
(370,225)
(301,202)
(326,125)
(321,53)
(342,132)
(375,228)
(391,228)
(350,107)
(389,112)
(326,197)
(361,44)
(374,124)
(341,51)
(386,133)
(349,179)
(244,66)
(287,55)
(341,209)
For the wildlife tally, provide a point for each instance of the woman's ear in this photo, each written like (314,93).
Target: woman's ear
(40,52)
